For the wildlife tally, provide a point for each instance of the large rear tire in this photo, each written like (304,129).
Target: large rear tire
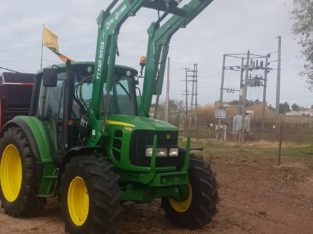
(200,206)
(18,175)
(90,195)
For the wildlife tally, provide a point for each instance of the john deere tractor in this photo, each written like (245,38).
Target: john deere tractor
(89,140)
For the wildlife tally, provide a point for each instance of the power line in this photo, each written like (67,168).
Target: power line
(7,69)
(26,55)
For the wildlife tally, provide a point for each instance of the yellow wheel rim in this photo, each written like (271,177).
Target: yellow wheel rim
(11,173)
(78,201)
(182,206)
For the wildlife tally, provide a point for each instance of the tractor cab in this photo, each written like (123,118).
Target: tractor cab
(51,101)
(63,98)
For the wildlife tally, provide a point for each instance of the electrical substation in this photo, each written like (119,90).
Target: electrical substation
(251,72)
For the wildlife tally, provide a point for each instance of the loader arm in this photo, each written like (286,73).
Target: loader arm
(109,24)
(159,38)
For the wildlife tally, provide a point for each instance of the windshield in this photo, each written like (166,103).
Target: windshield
(122,98)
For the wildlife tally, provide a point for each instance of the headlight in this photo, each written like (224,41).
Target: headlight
(149,152)
(160,152)
(173,152)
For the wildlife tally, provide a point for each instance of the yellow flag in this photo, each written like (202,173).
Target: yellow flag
(50,40)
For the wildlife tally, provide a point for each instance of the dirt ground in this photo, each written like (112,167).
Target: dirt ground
(255,197)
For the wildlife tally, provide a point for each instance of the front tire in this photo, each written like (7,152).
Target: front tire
(18,175)
(200,206)
(90,195)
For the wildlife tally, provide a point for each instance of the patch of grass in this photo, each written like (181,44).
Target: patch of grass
(307,150)
(291,152)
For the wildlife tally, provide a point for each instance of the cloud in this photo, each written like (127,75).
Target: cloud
(226,26)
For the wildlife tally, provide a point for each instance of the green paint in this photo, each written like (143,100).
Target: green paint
(147,194)
(139,183)
(48,180)
(158,45)
(41,134)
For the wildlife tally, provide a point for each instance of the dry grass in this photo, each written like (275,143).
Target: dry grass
(206,114)
(291,152)
(248,144)
(270,115)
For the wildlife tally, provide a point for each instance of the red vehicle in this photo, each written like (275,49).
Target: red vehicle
(15,95)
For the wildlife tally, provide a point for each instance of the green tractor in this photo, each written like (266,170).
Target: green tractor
(90,141)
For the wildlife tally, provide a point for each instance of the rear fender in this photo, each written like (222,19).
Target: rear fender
(28,132)
(36,134)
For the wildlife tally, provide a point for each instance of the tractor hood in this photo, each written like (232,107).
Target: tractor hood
(138,122)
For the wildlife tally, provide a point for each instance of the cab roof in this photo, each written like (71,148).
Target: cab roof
(117,67)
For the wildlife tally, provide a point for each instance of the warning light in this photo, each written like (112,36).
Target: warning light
(142,64)
(142,61)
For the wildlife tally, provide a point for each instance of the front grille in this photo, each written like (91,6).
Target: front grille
(141,139)
(117,144)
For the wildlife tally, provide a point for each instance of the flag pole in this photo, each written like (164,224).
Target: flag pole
(43,28)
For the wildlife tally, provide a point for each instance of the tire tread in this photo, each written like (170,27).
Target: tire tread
(27,203)
(204,200)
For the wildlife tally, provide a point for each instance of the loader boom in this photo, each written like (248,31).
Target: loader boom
(159,38)
(160,33)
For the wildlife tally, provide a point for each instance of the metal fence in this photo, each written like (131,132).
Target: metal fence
(294,129)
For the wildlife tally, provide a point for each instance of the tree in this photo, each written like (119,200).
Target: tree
(284,108)
(176,109)
(295,107)
(303,27)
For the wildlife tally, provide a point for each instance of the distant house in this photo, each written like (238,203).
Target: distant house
(304,112)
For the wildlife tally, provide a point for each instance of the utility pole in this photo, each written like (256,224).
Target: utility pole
(220,105)
(192,97)
(241,80)
(243,107)
(167,90)
(278,85)
(222,80)
(264,93)
(186,102)
(196,94)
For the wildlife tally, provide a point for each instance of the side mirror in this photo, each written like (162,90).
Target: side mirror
(50,77)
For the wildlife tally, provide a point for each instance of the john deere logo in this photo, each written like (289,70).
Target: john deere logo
(168,136)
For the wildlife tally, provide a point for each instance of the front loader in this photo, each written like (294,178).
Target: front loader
(89,140)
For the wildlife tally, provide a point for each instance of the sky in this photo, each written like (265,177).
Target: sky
(225,26)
